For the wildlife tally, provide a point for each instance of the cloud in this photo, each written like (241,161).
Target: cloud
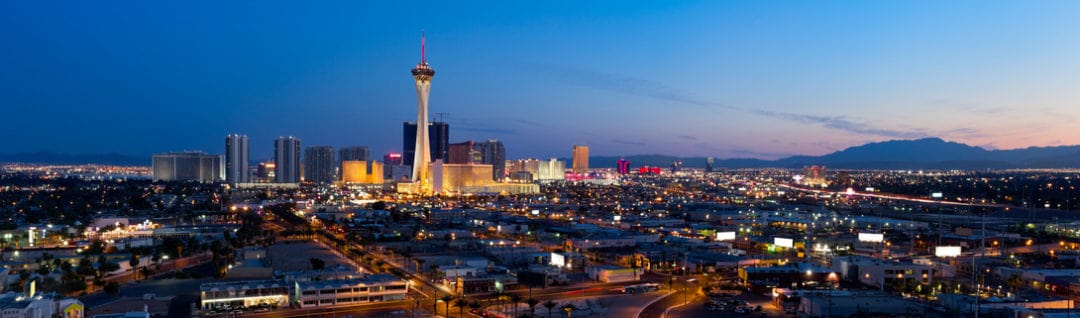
(628,142)
(687,137)
(488,130)
(652,89)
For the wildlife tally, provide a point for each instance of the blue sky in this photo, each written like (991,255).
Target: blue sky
(723,78)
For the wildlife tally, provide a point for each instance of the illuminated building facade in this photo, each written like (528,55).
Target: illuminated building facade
(237,168)
(187,166)
(287,160)
(581,159)
(363,172)
(709,162)
(623,166)
(319,164)
(537,170)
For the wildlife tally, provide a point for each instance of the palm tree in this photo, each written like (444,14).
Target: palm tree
(550,305)
(446,299)
(515,299)
(461,303)
(532,306)
(568,308)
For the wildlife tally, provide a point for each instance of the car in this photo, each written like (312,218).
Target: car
(238,312)
(740,310)
(264,309)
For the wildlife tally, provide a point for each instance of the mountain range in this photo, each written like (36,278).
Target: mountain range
(927,153)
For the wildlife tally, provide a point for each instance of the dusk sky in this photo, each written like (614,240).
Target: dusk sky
(761,79)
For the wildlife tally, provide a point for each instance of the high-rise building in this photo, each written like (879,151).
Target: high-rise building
(676,166)
(581,159)
(237,168)
(461,153)
(287,160)
(319,164)
(187,166)
(392,159)
(624,166)
(493,153)
(438,141)
(709,162)
(355,153)
(422,74)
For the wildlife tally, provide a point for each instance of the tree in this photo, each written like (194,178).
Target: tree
(461,303)
(134,263)
(515,299)
(568,308)
(447,299)
(532,302)
(550,305)
(317,264)
(112,288)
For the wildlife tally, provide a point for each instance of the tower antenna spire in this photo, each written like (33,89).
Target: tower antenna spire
(423,58)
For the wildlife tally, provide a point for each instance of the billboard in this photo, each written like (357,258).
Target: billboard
(725,236)
(558,260)
(871,237)
(947,251)
(783,242)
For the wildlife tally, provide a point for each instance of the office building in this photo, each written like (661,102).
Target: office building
(709,164)
(287,160)
(581,159)
(438,141)
(187,166)
(237,168)
(319,164)
(493,153)
(222,295)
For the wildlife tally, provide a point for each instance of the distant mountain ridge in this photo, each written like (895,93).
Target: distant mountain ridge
(44,157)
(926,153)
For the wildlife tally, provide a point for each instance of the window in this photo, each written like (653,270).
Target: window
(309,292)
(309,302)
(395,287)
(326,291)
(344,290)
(344,300)
(325,301)
(362,289)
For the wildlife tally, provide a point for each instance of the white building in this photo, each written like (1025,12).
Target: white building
(373,288)
(15,305)
(244,294)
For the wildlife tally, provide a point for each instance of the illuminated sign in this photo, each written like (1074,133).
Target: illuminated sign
(871,237)
(947,251)
(558,260)
(936,195)
(783,242)
(725,236)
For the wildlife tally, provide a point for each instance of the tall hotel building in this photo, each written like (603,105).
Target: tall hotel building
(287,160)
(581,159)
(187,166)
(236,159)
(319,164)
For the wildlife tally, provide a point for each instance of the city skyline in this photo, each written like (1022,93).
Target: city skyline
(694,79)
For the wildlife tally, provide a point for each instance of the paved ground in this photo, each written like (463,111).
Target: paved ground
(185,290)
(296,255)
